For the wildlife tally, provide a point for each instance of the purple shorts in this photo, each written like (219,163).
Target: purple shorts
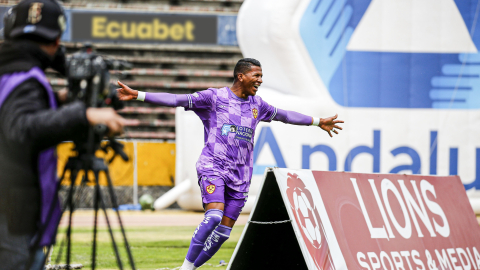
(213,189)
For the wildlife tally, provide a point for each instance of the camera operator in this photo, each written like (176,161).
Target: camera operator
(31,125)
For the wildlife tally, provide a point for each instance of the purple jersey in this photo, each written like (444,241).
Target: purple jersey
(229,126)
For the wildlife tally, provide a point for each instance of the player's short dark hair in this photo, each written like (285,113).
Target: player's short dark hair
(244,65)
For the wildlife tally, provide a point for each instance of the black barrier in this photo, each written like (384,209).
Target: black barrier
(143,27)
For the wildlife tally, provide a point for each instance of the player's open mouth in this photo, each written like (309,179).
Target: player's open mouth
(256,86)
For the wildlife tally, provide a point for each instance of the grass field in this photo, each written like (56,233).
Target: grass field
(152,247)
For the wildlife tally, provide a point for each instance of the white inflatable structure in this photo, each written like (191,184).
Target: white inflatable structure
(413,110)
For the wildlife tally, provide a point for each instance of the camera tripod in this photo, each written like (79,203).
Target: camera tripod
(85,162)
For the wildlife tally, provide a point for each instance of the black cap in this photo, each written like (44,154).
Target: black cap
(41,18)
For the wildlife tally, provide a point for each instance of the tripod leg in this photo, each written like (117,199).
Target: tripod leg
(102,204)
(73,178)
(70,195)
(115,205)
(94,242)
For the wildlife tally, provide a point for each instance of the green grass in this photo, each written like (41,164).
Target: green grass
(152,247)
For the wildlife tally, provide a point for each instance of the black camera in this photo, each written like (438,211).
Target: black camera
(89,78)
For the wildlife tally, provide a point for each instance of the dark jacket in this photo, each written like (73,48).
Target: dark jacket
(28,126)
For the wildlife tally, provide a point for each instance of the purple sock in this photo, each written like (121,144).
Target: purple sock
(213,217)
(213,244)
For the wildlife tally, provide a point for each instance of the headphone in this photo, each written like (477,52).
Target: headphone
(9,21)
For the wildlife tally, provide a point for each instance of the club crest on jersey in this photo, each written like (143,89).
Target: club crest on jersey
(35,13)
(210,188)
(255,113)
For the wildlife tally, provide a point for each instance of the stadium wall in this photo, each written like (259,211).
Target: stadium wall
(150,163)
(149,170)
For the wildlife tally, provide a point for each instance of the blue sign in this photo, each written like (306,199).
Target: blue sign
(267,137)
(381,79)
(227,30)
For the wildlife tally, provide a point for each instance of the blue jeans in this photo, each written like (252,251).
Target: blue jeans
(15,252)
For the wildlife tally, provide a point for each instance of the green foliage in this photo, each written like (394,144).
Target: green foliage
(152,247)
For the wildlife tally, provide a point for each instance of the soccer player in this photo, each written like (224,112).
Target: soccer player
(230,116)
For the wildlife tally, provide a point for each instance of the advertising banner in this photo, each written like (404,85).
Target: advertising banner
(84,25)
(143,27)
(369,221)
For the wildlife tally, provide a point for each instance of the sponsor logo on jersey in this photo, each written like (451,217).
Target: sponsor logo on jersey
(241,132)
(226,128)
(244,133)
(210,189)
(195,95)
(255,113)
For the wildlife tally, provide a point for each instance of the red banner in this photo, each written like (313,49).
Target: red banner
(401,222)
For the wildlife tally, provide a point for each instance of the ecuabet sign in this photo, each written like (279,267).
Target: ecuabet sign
(373,221)
(144,27)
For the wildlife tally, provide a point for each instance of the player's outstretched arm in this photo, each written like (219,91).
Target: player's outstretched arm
(164,99)
(329,124)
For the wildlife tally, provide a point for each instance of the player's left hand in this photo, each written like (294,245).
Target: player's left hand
(329,124)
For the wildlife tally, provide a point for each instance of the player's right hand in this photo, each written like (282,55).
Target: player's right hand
(126,93)
(108,117)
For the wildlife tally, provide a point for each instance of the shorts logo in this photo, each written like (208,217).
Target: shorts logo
(255,113)
(210,189)
(35,13)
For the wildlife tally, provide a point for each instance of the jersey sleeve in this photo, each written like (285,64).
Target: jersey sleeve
(266,111)
(294,118)
(200,100)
